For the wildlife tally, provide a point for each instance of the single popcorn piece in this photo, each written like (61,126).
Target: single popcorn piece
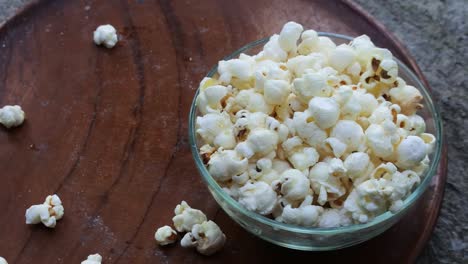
(105,35)
(294,185)
(3,261)
(305,215)
(93,259)
(289,36)
(11,116)
(165,235)
(186,217)
(312,133)
(207,237)
(47,213)
(258,197)
(226,164)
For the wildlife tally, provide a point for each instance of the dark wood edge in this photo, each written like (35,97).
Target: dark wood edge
(21,11)
(442,168)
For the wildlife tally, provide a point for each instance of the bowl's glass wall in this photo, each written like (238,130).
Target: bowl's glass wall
(318,238)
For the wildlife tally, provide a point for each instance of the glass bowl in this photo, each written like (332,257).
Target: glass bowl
(314,238)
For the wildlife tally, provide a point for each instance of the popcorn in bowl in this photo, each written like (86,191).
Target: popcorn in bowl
(313,134)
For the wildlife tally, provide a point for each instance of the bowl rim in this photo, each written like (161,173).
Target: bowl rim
(408,202)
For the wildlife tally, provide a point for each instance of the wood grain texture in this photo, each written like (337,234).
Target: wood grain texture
(107,129)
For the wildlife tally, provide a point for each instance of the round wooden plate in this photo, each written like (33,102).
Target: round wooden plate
(107,129)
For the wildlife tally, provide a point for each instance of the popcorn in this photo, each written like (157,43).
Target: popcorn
(313,120)
(325,111)
(334,218)
(312,84)
(165,235)
(93,259)
(358,166)
(186,217)
(342,57)
(260,142)
(207,237)
(273,51)
(276,91)
(3,261)
(305,215)
(11,116)
(310,42)
(349,133)
(48,213)
(226,164)
(210,98)
(105,35)
(241,69)
(289,36)
(216,129)
(258,197)
(408,97)
(253,102)
(337,147)
(410,152)
(294,185)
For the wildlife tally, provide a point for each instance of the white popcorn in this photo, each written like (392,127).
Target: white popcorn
(289,36)
(105,35)
(226,164)
(304,158)
(410,152)
(216,129)
(337,147)
(358,166)
(382,138)
(276,91)
(408,97)
(93,259)
(417,126)
(313,122)
(305,215)
(342,57)
(165,235)
(310,63)
(241,69)
(258,197)
(186,217)
(294,185)
(309,42)
(207,237)
(3,261)
(325,111)
(334,218)
(48,213)
(273,51)
(253,102)
(209,99)
(350,133)
(11,116)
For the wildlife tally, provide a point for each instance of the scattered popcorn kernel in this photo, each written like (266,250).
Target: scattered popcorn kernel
(165,235)
(93,259)
(207,237)
(186,217)
(105,35)
(3,261)
(47,213)
(11,116)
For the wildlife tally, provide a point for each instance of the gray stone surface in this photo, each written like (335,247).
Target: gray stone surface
(436,33)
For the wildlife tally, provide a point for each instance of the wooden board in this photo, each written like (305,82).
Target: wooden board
(107,129)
